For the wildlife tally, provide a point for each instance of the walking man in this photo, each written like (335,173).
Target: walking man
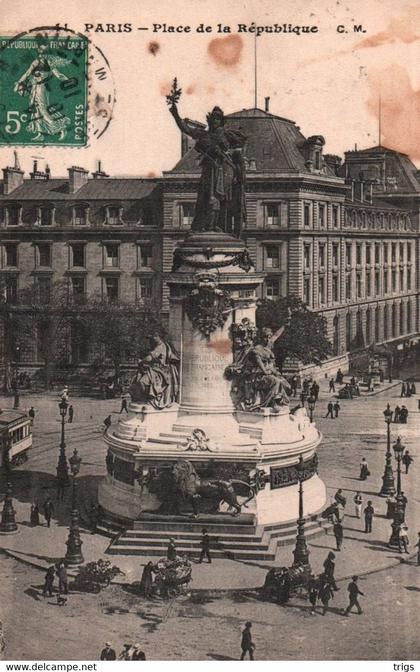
(329,569)
(31,414)
(49,581)
(403,538)
(48,510)
(354,592)
(205,547)
(108,652)
(63,582)
(107,422)
(332,386)
(247,645)
(124,405)
(171,550)
(325,594)
(71,413)
(358,499)
(330,409)
(403,390)
(336,408)
(339,534)
(407,460)
(369,512)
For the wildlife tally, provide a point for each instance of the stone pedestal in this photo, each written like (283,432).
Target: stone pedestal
(212,286)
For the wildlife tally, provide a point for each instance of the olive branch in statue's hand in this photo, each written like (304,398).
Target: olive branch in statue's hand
(173,97)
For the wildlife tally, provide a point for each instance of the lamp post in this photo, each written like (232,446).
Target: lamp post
(74,543)
(8,521)
(62,466)
(311,406)
(388,485)
(301,553)
(16,402)
(399,515)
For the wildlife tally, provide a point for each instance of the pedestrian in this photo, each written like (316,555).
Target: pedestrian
(108,652)
(407,460)
(418,549)
(313,593)
(403,390)
(48,510)
(63,582)
(364,469)
(332,386)
(329,569)
(403,538)
(71,414)
(31,414)
(330,409)
(315,390)
(325,593)
(413,388)
(94,516)
(283,587)
(339,377)
(403,415)
(302,398)
(171,550)
(404,500)
(138,654)
(34,515)
(339,498)
(247,645)
(358,499)
(339,534)
(107,422)
(65,393)
(368,513)
(205,547)
(126,653)
(397,412)
(354,592)
(124,404)
(336,408)
(305,386)
(49,581)
(146,583)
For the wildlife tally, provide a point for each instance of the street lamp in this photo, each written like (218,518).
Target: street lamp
(311,406)
(16,401)
(399,515)
(62,466)
(8,521)
(301,553)
(74,543)
(388,485)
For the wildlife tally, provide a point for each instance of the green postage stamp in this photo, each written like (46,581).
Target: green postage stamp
(43,90)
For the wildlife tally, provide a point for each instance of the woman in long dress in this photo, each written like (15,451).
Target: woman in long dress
(46,118)
(157,379)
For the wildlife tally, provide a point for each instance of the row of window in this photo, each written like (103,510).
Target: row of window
(77,288)
(77,255)
(374,253)
(385,221)
(11,215)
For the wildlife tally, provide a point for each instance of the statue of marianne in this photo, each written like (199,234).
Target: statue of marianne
(220,202)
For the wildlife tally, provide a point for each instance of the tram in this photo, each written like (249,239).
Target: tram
(19,429)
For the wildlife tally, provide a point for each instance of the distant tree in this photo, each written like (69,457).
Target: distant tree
(120,330)
(305,334)
(42,316)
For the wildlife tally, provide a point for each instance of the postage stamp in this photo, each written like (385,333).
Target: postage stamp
(44,90)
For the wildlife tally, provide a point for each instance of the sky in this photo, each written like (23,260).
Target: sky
(328,82)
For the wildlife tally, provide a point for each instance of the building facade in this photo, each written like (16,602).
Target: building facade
(344,237)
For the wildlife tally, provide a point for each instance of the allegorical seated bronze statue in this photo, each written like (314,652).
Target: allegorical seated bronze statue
(220,202)
(257,382)
(157,379)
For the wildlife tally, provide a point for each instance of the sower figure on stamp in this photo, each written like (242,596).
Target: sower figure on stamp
(220,202)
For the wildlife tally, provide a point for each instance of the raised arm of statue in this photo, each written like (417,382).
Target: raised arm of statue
(183,125)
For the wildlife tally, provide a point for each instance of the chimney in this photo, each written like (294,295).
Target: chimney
(99,174)
(333,161)
(78,177)
(12,179)
(267,103)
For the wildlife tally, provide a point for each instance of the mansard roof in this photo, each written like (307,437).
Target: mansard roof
(398,167)
(274,143)
(57,189)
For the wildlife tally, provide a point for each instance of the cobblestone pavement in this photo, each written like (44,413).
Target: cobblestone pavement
(359,431)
